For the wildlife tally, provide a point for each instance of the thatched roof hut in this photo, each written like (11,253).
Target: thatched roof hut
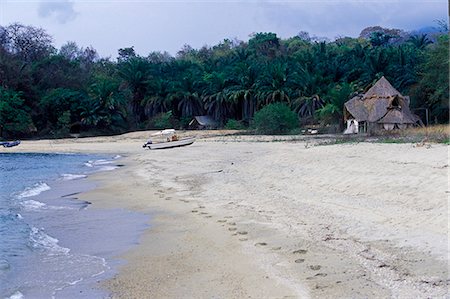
(381,105)
(203,122)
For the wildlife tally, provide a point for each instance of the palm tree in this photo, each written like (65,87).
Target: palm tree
(242,92)
(333,109)
(136,74)
(215,97)
(420,41)
(110,102)
(272,85)
(92,114)
(402,68)
(306,107)
(377,62)
(184,93)
(157,99)
(189,104)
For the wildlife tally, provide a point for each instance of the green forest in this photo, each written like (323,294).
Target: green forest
(45,91)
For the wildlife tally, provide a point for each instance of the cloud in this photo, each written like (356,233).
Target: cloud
(332,18)
(61,11)
(156,25)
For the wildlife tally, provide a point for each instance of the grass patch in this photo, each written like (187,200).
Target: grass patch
(433,134)
(392,140)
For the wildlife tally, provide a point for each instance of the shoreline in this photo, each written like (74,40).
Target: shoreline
(253,219)
(72,243)
(182,253)
(94,232)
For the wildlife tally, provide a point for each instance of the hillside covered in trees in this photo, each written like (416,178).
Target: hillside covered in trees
(46,91)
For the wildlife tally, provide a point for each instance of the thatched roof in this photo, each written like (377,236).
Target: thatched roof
(382,103)
(395,116)
(204,121)
(382,89)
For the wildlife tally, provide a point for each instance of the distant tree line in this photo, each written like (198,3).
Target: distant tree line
(46,91)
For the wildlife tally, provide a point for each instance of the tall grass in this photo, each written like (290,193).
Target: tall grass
(435,134)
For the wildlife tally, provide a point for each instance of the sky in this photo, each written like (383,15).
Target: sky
(150,25)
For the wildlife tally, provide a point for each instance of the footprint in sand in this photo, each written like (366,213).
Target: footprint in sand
(222,220)
(231,223)
(208,216)
(276,248)
(300,251)
(194,211)
(318,287)
(228,217)
(168,198)
(243,239)
(321,274)
(299,261)
(315,267)
(242,233)
(261,244)
(231,229)
(201,207)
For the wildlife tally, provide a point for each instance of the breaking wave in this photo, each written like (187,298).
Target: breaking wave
(35,190)
(41,241)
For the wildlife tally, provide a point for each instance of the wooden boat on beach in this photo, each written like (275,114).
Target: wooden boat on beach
(10,143)
(171,140)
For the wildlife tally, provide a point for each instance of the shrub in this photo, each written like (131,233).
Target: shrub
(233,124)
(184,122)
(274,119)
(162,121)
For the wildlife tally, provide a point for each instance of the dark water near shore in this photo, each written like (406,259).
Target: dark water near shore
(53,245)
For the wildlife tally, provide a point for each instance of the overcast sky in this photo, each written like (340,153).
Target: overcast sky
(168,25)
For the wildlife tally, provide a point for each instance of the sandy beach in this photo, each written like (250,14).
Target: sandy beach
(276,217)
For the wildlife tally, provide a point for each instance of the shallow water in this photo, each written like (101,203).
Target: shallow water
(51,243)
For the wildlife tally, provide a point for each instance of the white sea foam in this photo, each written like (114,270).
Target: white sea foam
(94,163)
(80,276)
(33,205)
(35,190)
(107,168)
(16,295)
(117,157)
(42,241)
(19,216)
(69,176)
(100,162)
(105,265)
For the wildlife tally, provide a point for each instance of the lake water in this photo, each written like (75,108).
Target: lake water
(53,245)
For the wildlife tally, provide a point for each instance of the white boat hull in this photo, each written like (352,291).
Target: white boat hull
(170,144)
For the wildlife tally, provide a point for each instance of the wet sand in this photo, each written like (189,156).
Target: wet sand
(238,217)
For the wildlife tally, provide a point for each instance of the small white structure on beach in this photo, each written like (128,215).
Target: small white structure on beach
(352,126)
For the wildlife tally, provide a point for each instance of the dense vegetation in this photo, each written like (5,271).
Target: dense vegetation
(275,118)
(54,92)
